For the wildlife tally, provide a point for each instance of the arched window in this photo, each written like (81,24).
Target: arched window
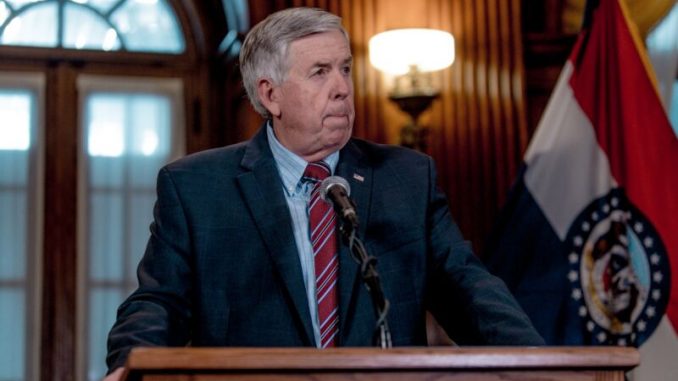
(109,25)
(95,96)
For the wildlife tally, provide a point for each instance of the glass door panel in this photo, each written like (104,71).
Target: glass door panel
(130,129)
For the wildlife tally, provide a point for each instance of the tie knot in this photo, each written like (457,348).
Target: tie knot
(316,171)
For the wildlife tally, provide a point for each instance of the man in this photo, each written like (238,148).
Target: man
(233,255)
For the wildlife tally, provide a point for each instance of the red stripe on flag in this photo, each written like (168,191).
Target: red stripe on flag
(612,85)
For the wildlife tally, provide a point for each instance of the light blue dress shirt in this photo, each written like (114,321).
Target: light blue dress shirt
(297,193)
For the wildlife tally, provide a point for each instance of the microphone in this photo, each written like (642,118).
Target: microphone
(335,189)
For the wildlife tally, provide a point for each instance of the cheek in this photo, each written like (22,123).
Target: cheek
(301,109)
(312,103)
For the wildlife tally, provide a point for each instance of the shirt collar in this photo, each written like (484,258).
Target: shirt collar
(290,165)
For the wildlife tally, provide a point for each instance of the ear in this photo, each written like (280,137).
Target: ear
(269,96)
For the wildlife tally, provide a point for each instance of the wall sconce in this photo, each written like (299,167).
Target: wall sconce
(408,54)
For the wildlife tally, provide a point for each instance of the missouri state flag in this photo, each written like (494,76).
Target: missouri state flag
(588,240)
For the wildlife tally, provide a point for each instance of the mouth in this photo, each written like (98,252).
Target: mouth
(337,115)
(336,118)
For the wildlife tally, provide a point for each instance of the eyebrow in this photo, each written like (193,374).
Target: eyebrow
(324,64)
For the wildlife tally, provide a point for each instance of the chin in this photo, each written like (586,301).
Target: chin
(337,141)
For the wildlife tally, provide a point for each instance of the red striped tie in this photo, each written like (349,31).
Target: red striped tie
(322,223)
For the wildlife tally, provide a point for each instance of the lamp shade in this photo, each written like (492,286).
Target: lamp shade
(395,51)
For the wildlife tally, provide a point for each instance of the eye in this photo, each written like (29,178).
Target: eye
(346,69)
(320,71)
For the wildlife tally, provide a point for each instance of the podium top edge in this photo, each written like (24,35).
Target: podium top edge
(402,358)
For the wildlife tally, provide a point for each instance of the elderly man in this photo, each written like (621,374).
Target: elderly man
(243,253)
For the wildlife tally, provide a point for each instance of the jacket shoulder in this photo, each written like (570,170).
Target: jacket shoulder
(392,156)
(208,160)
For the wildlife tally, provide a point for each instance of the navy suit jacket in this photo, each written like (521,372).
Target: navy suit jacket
(222,269)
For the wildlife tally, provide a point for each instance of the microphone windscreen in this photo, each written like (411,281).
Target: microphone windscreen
(331,181)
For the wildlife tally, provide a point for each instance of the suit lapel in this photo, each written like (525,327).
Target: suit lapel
(353,167)
(261,189)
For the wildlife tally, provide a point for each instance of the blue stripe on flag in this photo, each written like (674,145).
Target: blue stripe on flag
(526,253)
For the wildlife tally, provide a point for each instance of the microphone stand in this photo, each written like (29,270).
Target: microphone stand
(368,271)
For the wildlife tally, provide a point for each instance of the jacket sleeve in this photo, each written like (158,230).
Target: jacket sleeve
(473,306)
(158,313)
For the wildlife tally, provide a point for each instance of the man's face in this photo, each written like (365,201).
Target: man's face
(314,110)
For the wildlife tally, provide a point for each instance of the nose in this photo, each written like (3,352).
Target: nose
(342,84)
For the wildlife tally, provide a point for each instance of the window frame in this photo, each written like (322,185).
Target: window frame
(206,73)
(56,280)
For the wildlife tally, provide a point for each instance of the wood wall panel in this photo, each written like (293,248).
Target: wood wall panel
(477,128)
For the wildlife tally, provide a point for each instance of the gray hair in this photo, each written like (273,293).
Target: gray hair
(264,52)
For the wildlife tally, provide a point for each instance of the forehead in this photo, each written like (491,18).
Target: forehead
(325,46)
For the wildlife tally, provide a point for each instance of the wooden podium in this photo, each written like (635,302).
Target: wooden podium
(399,364)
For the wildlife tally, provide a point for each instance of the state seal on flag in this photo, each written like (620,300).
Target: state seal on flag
(618,271)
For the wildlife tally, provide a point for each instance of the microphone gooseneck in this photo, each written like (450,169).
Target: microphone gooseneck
(335,190)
